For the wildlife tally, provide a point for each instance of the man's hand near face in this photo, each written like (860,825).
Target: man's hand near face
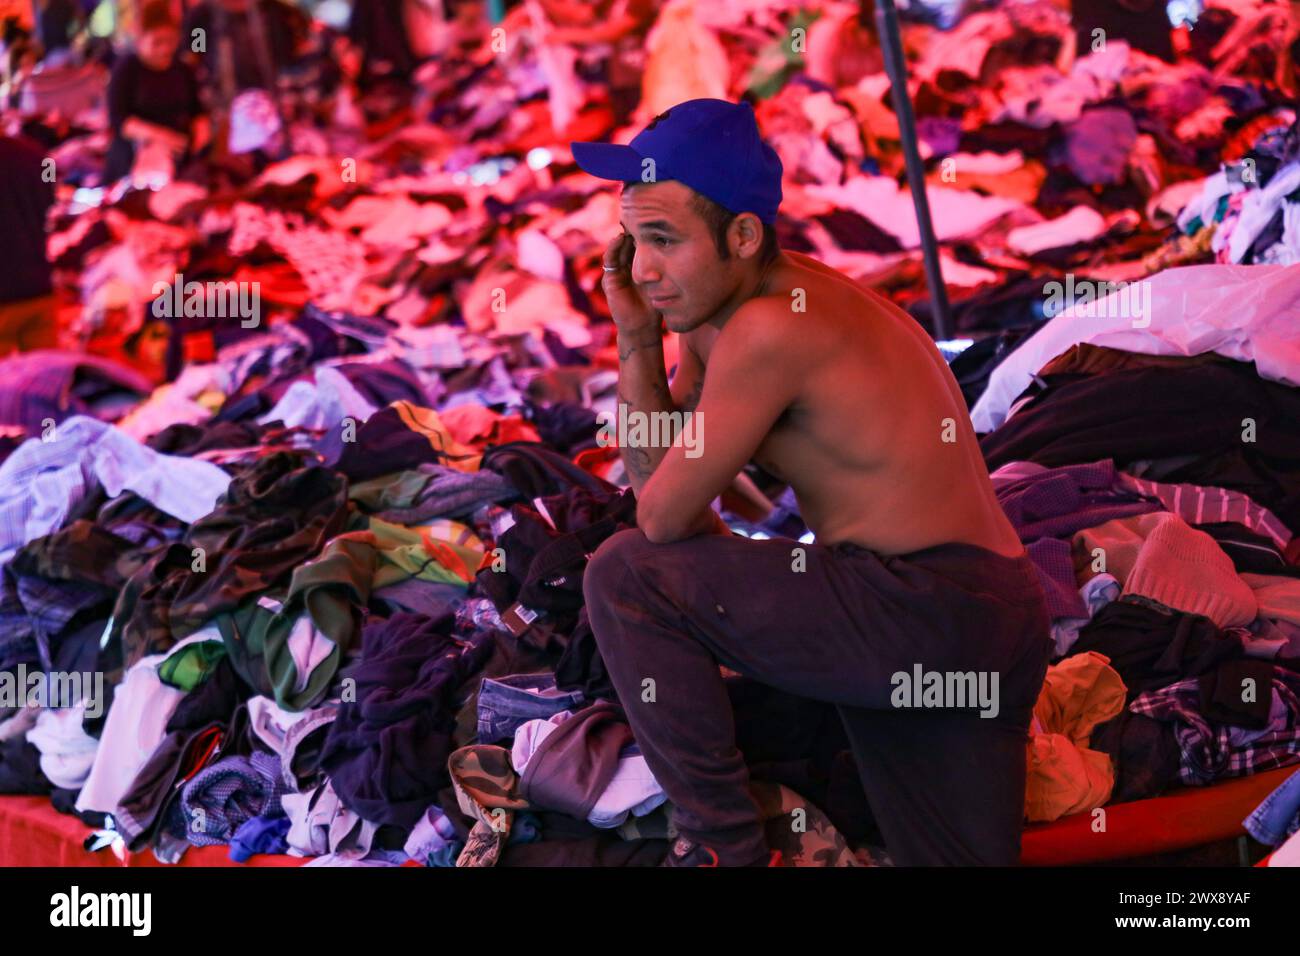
(631,312)
(643,382)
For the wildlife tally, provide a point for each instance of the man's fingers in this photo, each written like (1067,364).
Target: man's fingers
(618,255)
(613,258)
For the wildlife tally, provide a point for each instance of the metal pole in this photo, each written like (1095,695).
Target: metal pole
(891,46)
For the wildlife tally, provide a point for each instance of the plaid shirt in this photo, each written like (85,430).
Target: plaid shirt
(223,796)
(1209,751)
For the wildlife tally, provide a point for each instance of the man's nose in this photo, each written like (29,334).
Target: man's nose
(644,268)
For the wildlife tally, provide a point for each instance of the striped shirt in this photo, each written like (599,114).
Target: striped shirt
(1206,505)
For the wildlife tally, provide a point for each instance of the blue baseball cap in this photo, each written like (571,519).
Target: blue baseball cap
(713,146)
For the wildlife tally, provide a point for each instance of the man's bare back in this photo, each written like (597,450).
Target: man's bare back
(877,446)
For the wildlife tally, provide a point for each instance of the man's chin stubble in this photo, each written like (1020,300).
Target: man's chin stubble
(680,324)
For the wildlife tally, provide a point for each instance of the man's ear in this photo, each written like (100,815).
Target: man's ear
(746,235)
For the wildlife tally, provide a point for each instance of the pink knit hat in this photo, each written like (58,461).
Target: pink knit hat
(1186,570)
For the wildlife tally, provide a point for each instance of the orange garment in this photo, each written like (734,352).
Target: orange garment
(685,60)
(504,300)
(1185,569)
(278,283)
(443,551)
(479,426)
(1120,542)
(426,422)
(841,51)
(1062,775)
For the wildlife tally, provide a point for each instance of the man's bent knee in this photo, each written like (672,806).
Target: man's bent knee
(607,568)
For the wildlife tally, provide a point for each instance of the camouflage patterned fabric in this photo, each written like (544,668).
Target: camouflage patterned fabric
(794,826)
(85,552)
(800,830)
(487,789)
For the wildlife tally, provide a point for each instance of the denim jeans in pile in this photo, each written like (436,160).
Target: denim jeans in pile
(506,702)
(1279,815)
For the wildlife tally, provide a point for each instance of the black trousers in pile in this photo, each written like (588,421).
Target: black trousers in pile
(835,624)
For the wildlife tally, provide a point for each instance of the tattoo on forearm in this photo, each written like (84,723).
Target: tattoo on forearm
(661,391)
(637,461)
(625,349)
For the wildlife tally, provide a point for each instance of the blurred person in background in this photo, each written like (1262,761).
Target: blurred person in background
(153,98)
(19,56)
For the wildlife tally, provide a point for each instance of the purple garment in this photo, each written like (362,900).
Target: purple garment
(386,752)
(383,383)
(264,834)
(430,598)
(384,444)
(943,135)
(448,493)
(49,383)
(1213,751)
(1099,143)
(19,642)
(1277,718)
(1199,505)
(1057,502)
(1056,573)
(1272,639)
(25,197)
(432,833)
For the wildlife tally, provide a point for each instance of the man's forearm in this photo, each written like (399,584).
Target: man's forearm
(642,387)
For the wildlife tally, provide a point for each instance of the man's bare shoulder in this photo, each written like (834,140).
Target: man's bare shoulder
(767,323)
(818,267)
(808,263)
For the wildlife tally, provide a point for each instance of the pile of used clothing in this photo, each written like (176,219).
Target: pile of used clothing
(337,621)
(1045,155)
(330,566)
(1152,468)
(1249,211)
(1047,152)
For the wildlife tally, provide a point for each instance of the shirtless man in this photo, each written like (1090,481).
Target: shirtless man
(915,569)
